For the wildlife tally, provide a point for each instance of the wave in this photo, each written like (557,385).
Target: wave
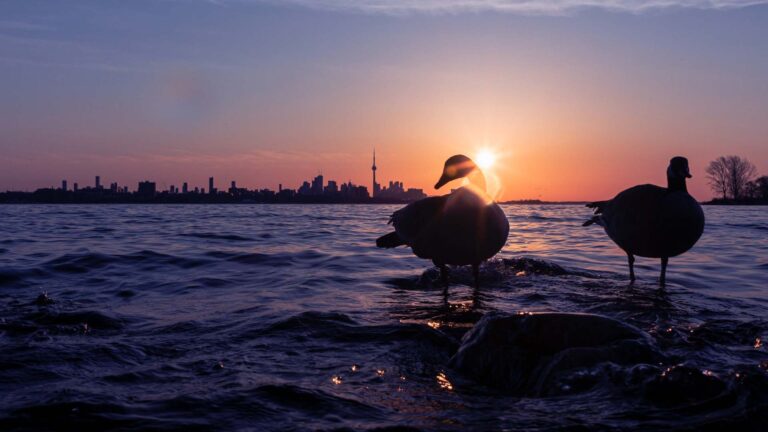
(85,262)
(761,227)
(279,260)
(14,241)
(18,277)
(341,328)
(261,407)
(211,236)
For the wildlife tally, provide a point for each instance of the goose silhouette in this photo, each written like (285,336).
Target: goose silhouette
(465,227)
(651,221)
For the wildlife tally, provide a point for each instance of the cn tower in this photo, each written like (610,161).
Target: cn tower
(373,168)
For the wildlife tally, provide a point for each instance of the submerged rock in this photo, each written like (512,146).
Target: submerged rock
(43,300)
(548,353)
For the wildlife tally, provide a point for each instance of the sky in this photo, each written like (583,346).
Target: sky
(579,100)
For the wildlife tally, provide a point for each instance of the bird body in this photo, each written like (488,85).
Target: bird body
(652,221)
(456,229)
(465,227)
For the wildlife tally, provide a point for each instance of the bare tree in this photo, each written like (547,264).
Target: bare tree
(741,172)
(730,175)
(717,176)
(758,188)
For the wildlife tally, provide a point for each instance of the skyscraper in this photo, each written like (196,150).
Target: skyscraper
(317,185)
(375,189)
(184,188)
(211,190)
(64,185)
(98,182)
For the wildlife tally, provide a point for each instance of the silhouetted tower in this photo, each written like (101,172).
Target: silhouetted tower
(98,182)
(184,188)
(210,186)
(74,187)
(64,185)
(373,168)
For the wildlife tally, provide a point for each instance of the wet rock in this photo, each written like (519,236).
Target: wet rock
(684,385)
(549,353)
(44,300)
(534,266)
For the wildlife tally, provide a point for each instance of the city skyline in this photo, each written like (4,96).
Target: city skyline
(577,100)
(185,186)
(309,191)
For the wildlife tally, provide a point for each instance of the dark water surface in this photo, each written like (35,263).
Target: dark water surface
(264,317)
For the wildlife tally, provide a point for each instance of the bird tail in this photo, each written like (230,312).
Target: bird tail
(598,206)
(390,240)
(592,220)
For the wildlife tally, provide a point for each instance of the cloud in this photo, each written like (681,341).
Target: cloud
(22,26)
(528,7)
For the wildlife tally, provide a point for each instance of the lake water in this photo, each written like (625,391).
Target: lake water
(261,317)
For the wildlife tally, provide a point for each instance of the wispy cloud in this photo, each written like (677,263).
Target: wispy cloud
(531,7)
(23,26)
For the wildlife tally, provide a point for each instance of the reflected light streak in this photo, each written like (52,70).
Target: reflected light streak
(443,381)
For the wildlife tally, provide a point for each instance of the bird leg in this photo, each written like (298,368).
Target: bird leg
(663,278)
(476,274)
(443,274)
(631,260)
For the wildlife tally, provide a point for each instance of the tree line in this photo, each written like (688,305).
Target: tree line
(735,179)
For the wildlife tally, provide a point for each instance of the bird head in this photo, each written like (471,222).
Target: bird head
(678,168)
(456,167)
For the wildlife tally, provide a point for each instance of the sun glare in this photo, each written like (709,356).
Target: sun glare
(485,159)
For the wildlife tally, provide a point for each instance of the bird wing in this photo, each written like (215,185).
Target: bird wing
(411,220)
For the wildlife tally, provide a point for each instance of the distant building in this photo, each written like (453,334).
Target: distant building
(317,185)
(354,193)
(396,192)
(146,189)
(211,189)
(305,189)
(98,182)
(74,187)
(64,185)
(113,187)
(332,188)
(184,188)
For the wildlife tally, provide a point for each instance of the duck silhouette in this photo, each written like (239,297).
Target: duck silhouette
(651,221)
(465,227)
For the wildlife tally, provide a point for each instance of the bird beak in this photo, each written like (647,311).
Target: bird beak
(688,173)
(443,180)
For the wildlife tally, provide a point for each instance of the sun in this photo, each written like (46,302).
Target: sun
(485,159)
